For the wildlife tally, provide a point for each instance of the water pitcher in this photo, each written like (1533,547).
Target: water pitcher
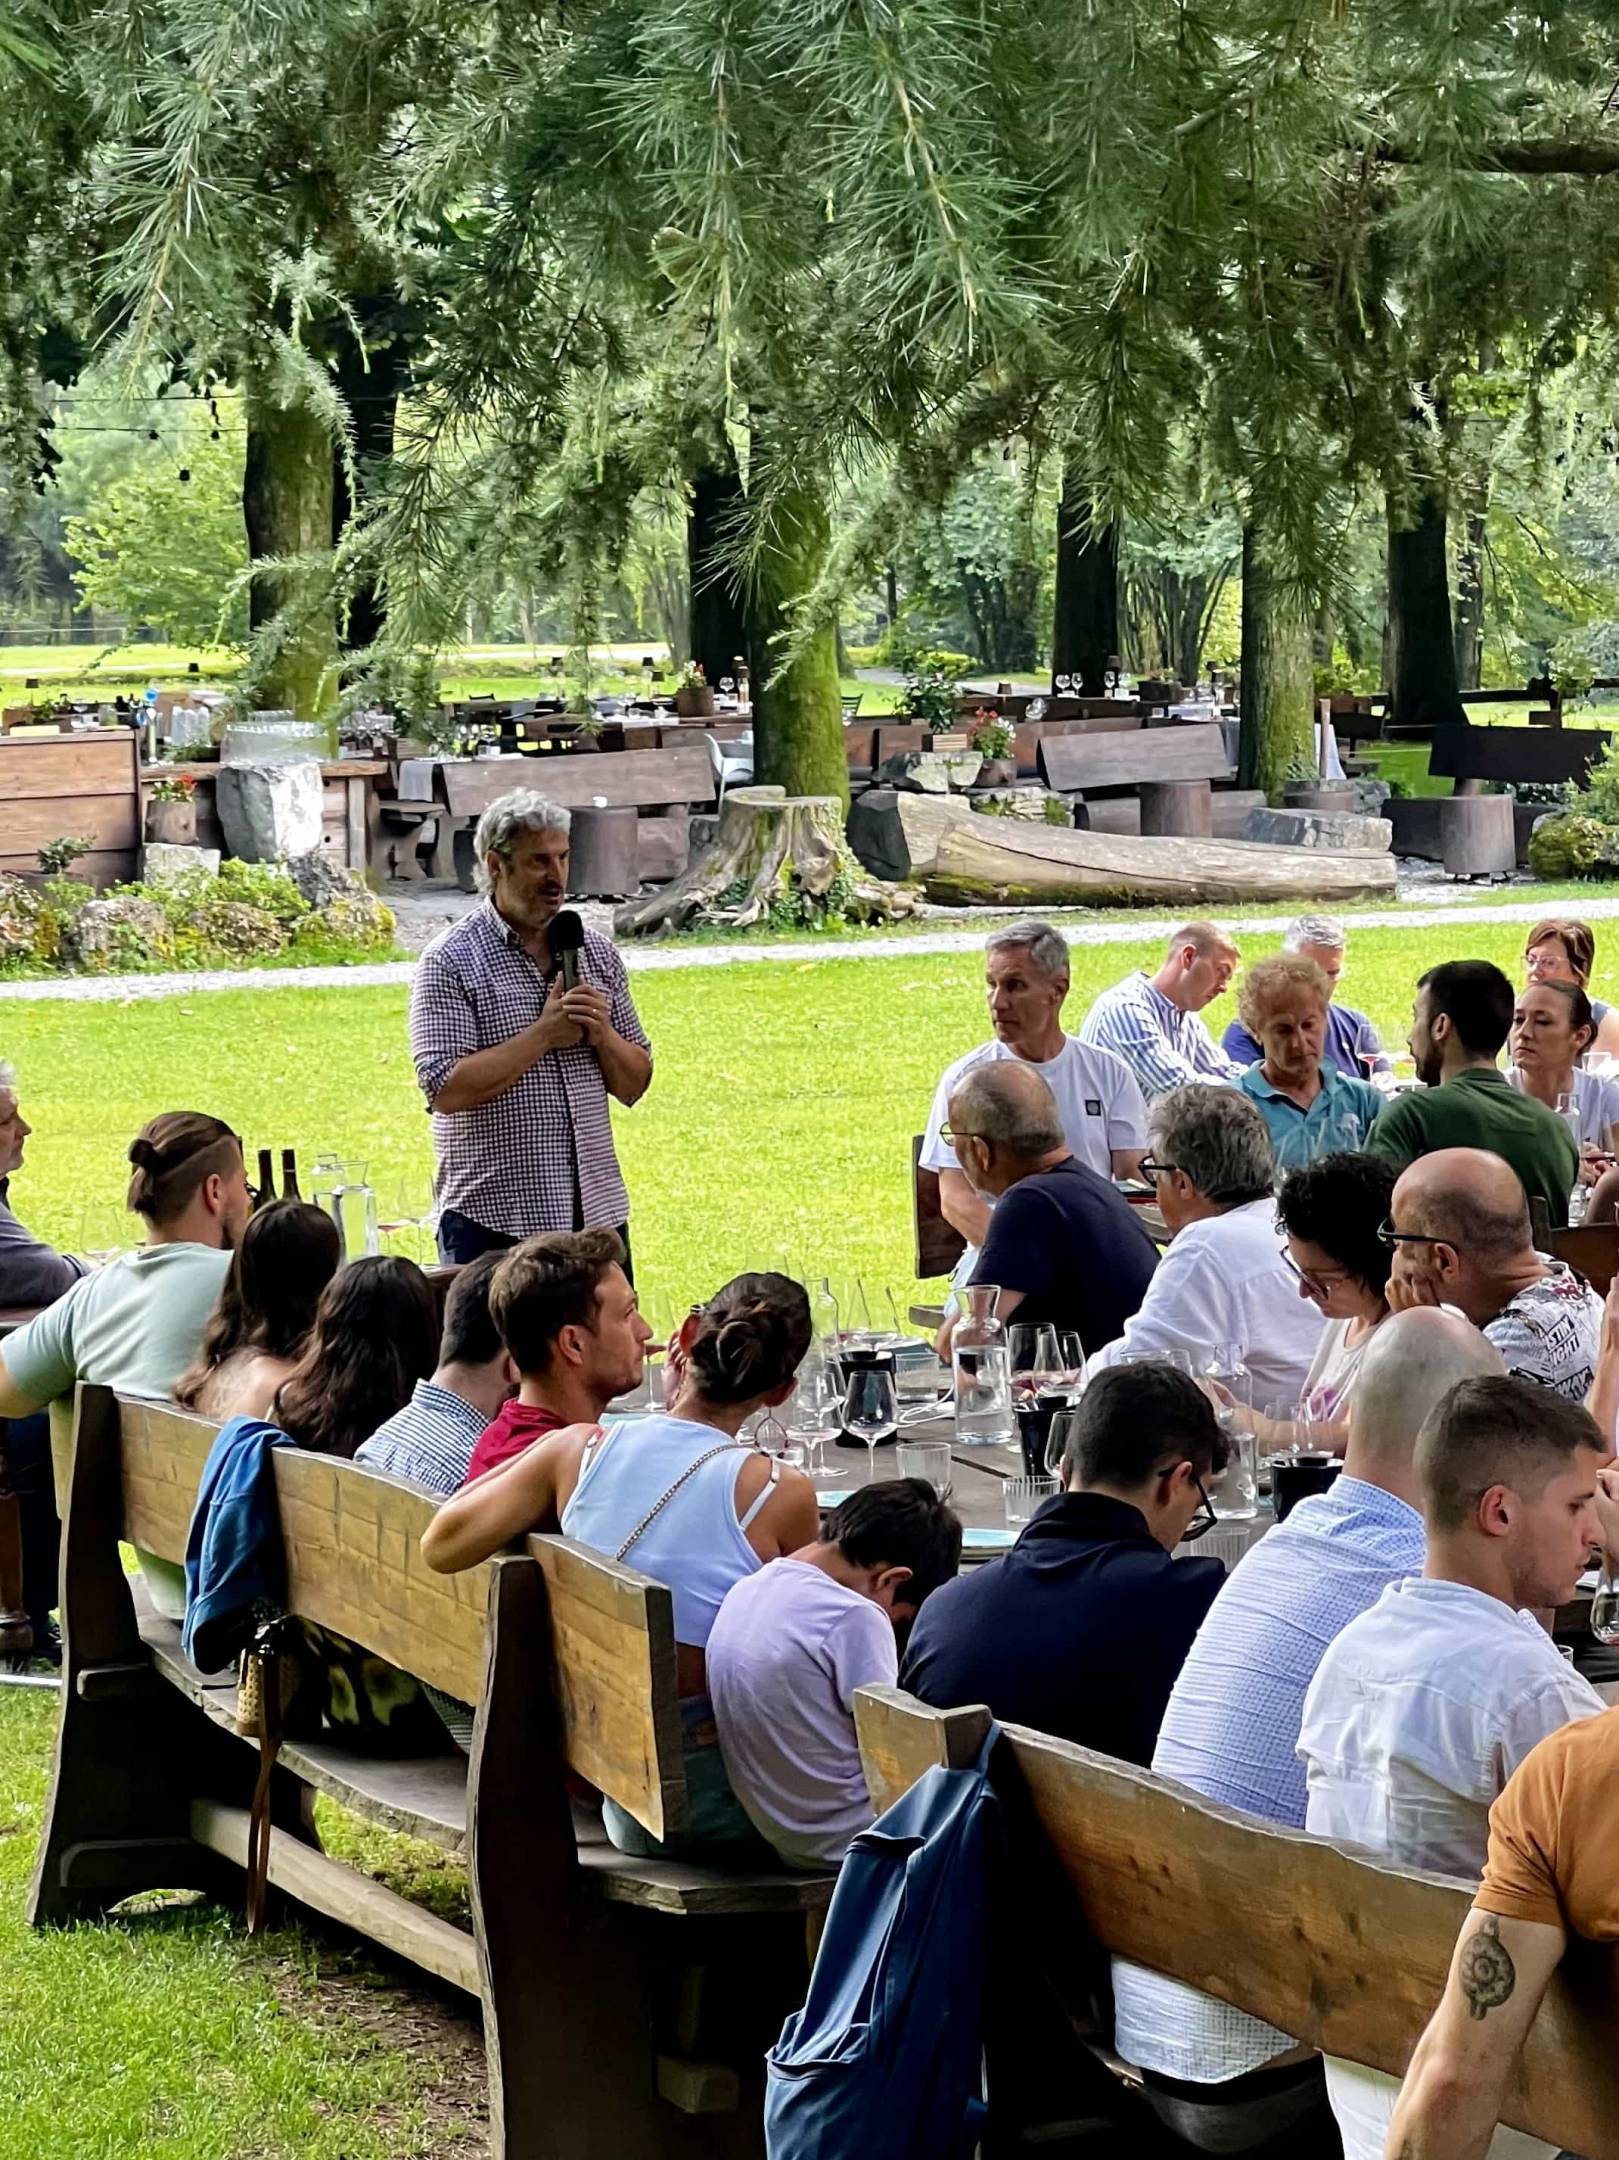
(983,1372)
(351,1202)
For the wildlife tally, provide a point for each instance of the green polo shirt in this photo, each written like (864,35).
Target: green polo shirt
(1478,1109)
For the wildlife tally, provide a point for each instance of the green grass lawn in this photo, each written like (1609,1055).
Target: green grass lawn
(776,1133)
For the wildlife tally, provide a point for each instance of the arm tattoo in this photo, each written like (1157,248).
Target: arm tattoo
(1487,1973)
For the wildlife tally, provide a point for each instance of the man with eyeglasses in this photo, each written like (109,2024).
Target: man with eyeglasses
(1081,1629)
(1226,2082)
(1461,1236)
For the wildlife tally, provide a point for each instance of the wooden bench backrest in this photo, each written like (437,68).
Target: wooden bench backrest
(939,1244)
(1343,1953)
(352,1541)
(1191,752)
(1515,753)
(628,779)
(1591,1249)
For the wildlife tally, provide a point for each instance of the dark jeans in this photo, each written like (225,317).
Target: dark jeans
(460,1239)
(1266,2115)
(28,1449)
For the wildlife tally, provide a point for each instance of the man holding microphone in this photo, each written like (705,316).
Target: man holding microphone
(521,1026)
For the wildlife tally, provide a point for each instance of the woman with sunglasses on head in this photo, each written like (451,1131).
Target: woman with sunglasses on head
(1562,949)
(1553,1025)
(1331,1210)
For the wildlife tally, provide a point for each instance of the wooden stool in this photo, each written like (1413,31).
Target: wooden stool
(1477,836)
(1178,806)
(602,846)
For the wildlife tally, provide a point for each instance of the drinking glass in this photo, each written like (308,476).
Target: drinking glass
(817,1408)
(858,1314)
(1234,1494)
(1605,1603)
(1062,683)
(1024,1496)
(1037,708)
(1568,1109)
(870,1410)
(1036,1359)
(727,686)
(1071,1353)
(928,1460)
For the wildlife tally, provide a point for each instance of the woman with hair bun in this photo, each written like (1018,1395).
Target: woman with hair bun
(677,1496)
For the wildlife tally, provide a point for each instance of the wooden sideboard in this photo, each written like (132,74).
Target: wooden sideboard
(86,783)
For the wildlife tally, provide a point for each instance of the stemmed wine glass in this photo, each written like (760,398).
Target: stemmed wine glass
(817,1408)
(1036,1357)
(1063,684)
(1037,708)
(871,1410)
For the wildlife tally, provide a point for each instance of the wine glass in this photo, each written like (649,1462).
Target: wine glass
(1075,1372)
(860,1329)
(728,687)
(1037,1362)
(817,1408)
(871,1410)
(1063,684)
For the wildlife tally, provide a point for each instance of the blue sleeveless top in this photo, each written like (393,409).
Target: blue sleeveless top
(696,1546)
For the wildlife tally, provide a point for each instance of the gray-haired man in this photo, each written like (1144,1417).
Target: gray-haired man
(31,1272)
(515,1068)
(1352,1043)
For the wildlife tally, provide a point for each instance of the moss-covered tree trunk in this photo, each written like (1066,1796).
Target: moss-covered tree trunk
(287,504)
(1469,604)
(797,716)
(1278,682)
(1085,616)
(717,630)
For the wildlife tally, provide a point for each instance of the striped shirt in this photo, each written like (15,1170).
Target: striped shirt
(1231,1732)
(430,1441)
(540,1156)
(1163,1046)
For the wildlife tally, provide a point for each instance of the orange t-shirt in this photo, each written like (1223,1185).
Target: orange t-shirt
(1552,1852)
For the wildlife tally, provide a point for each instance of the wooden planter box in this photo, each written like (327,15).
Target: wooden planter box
(87,783)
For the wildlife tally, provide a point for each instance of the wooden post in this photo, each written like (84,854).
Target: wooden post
(1478,836)
(1178,806)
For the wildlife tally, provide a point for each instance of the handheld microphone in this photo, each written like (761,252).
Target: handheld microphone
(567,937)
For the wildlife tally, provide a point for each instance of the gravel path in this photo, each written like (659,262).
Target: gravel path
(429,914)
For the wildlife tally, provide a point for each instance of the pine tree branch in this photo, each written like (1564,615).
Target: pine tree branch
(1578,160)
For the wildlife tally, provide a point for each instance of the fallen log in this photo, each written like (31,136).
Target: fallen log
(775,857)
(895,833)
(998,862)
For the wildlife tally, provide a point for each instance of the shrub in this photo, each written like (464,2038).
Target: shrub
(1574,847)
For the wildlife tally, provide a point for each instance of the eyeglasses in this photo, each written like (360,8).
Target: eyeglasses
(1388,1235)
(1321,1283)
(950,1134)
(1205,1519)
(1151,1167)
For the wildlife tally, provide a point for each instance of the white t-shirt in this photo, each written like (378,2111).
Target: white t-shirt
(1598,1099)
(785,1656)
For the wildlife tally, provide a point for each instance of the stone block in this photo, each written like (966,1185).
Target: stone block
(1018,802)
(110,933)
(270,813)
(929,772)
(1343,832)
(162,860)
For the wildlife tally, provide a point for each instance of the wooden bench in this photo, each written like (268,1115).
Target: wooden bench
(1590,1249)
(1514,753)
(620,779)
(626,2003)
(1172,767)
(1345,1953)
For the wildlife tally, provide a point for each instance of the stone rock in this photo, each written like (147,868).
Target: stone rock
(270,813)
(27,927)
(358,918)
(112,933)
(162,860)
(237,928)
(930,772)
(1020,802)
(1370,795)
(1345,832)
(320,881)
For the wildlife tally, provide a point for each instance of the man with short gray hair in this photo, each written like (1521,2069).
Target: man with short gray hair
(1063,1247)
(31,1272)
(1154,1022)
(1104,1119)
(1225,1280)
(516,1067)
(1353,1046)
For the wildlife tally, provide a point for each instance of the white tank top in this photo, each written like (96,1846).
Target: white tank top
(695,1545)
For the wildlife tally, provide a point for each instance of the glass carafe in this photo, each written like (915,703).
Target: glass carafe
(351,1202)
(982,1371)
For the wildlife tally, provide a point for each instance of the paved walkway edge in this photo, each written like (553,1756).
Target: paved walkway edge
(659,959)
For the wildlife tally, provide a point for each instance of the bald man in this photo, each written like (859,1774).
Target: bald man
(1461,1237)
(1062,1246)
(1232,1726)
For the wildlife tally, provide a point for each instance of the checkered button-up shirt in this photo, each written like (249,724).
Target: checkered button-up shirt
(517,1164)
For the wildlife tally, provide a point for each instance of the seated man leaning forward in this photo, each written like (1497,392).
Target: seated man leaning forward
(1309,1107)
(1154,1022)
(431,1440)
(1104,1118)
(1223,2081)
(1225,1279)
(1461,1236)
(137,1324)
(677,1496)
(1081,1629)
(1063,1245)
(1353,1046)
(792,1644)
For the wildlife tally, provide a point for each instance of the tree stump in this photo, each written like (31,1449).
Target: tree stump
(1478,836)
(1184,807)
(770,847)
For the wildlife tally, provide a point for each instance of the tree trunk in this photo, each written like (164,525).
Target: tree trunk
(1469,609)
(1422,645)
(1278,682)
(287,505)
(1085,618)
(371,382)
(717,623)
(797,713)
(891,593)
(771,848)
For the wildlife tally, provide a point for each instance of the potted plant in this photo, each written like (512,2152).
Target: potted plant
(694,700)
(994,741)
(171,811)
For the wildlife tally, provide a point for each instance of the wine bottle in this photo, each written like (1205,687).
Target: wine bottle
(266,1192)
(289,1174)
